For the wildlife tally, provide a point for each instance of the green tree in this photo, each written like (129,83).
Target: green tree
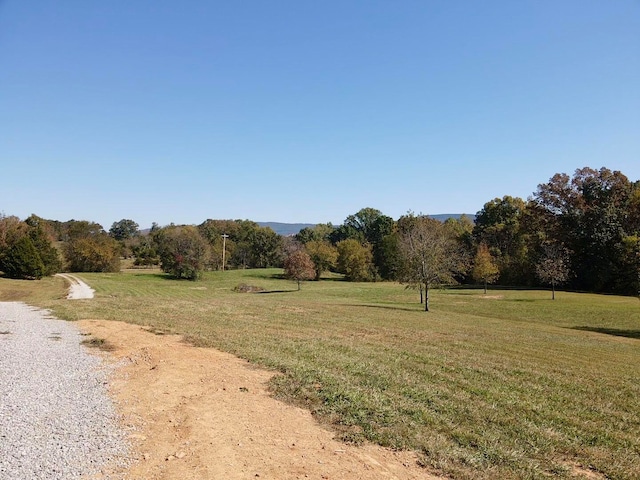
(462,229)
(124,230)
(630,266)
(22,260)
(500,225)
(298,266)
(74,229)
(387,257)
(323,255)
(94,253)
(431,255)
(318,233)
(265,248)
(591,213)
(355,260)
(46,251)
(246,244)
(183,251)
(12,232)
(145,251)
(213,231)
(368,226)
(484,267)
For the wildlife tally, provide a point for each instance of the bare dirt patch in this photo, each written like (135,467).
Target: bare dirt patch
(199,413)
(578,471)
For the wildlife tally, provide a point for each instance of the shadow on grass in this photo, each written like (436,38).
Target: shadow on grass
(496,287)
(419,308)
(282,276)
(275,291)
(162,275)
(611,331)
(259,274)
(168,277)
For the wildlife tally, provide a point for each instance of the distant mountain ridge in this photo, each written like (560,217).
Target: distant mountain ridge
(288,229)
(446,216)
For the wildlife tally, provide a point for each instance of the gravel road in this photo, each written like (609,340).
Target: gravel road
(78,290)
(56,419)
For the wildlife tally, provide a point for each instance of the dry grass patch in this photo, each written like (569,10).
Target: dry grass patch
(99,343)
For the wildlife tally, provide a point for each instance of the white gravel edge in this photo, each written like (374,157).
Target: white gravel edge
(57,421)
(78,289)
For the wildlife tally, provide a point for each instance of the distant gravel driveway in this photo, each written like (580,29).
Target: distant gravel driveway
(78,290)
(56,419)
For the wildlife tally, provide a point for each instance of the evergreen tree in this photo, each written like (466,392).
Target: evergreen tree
(22,260)
(48,253)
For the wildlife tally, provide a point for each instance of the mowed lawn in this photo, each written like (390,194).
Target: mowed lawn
(505,385)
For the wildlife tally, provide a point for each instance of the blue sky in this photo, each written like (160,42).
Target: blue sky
(301,111)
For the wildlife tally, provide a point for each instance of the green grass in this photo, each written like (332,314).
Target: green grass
(508,385)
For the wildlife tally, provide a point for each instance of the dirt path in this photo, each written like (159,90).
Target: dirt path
(202,414)
(78,290)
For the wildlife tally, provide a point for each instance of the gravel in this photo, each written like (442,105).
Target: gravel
(56,418)
(78,290)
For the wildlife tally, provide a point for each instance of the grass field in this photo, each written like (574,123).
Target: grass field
(507,385)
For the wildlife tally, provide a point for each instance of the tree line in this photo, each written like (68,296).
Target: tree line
(582,232)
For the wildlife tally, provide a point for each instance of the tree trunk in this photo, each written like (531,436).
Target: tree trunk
(426,298)
(298,284)
(553,291)
(485,286)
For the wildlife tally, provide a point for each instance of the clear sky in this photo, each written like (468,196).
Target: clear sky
(307,111)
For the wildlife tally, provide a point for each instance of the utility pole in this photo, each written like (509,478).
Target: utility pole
(224,247)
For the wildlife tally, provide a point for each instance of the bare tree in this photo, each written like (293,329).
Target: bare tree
(553,268)
(430,254)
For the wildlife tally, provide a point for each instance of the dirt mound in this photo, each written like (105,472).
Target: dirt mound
(198,413)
